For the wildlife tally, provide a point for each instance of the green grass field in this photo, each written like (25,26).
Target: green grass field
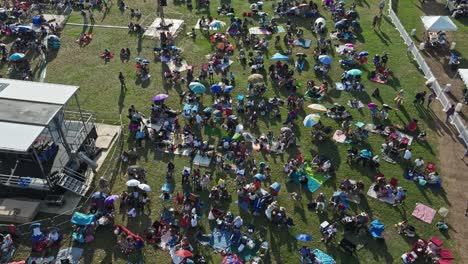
(100,93)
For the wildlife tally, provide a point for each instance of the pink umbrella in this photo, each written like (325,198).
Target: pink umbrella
(349,45)
(371,105)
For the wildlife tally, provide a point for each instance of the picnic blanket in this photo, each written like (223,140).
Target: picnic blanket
(339,86)
(73,254)
(214,25)
(358,106)
(312,184)
(305,43)
(414,175)
(424,213)
(373,194)
(180,68)
(323,257)
(264,31)
(378,80)
(339,136)
(220,240)
(201,160)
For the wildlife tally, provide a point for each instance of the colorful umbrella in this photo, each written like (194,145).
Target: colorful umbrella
(311,120)
(354,72)
(144,187)
(349,45)
(111,199)
(197,87)
(232,259)
(317,107)
(16,56)
(248,137)
(325,59)
(255,78)
(132,183)
(160,97)
(304,237)
(279,57)
(371,105)
(183,253)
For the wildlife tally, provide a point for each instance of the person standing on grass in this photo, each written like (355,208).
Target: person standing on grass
(375,20)
(83,15)
(376,93)
(122,81)
(381,6)
(431,98)
(91,16)
(420,97)
(399,99)
(450,112)
(407,156)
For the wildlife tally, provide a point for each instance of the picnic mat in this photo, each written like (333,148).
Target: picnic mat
(220,240)
(213,25)
(305,43)
(173,67)
(378,80)
(73,254)
(424,213)
(324,258)
(203,161)
(319,177)
(339,86)
(339,136)
(373,194)
(312,184)
(264,31)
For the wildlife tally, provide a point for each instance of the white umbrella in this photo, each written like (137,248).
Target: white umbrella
(239,128)
(144,187)
(133,183)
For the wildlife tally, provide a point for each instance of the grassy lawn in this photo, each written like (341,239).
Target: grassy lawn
(100,93)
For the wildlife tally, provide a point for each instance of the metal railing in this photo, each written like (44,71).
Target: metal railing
(455,120)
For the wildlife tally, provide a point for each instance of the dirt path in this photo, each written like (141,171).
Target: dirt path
(455,175)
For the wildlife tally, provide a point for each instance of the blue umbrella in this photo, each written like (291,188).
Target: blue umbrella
(197,87)
(279,57)
(363,53)
(228,88)
(16,56)
(325,59)
(98,195)
(215,88)
(304,237)
(259,176)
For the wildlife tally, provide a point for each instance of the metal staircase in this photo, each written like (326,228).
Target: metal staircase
(72,181)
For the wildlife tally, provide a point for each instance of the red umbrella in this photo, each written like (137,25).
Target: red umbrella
(430,167)
(183,253)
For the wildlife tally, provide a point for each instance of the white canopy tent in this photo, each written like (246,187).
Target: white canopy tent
(18,137)
(438,23)
(463,75)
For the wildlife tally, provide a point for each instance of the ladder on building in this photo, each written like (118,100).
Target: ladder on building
(73,182)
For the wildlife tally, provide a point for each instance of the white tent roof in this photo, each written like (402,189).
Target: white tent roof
(438,23)
(463,75)
(36,91)
(18,137)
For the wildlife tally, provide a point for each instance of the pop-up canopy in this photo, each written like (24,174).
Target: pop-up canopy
(463,75)
(438,23)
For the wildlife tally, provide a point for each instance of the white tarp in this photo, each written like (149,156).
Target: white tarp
(36,91)
(438,23)
(463,75)
(18,137)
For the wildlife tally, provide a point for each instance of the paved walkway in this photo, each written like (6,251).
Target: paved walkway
(95,25)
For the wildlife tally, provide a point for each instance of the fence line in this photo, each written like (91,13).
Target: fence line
(455,120)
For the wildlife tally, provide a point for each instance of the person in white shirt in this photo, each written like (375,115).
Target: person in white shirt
(238,222)
(199,120)
(407,155)
(194,221)
(132,213)
(418,163)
